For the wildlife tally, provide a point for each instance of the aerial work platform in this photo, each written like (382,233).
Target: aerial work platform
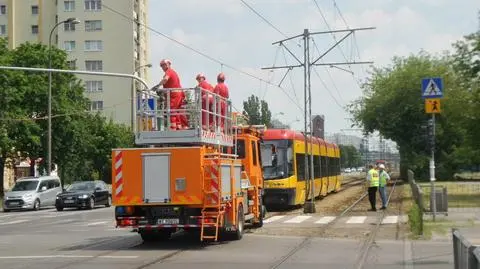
(202,109)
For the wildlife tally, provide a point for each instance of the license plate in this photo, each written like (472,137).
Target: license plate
(168,221)
(14,203)
(68,201)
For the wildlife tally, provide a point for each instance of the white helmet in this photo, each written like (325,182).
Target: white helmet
(381,166)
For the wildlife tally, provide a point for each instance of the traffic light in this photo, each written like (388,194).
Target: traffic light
(431,134)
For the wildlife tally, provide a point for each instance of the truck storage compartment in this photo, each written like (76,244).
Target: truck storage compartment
(149,176)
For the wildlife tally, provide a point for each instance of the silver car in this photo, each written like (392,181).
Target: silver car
(32,193)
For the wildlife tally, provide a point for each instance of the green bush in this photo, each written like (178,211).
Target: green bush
(415,219)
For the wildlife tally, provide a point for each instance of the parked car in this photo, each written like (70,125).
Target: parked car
(84,194)
(32,193)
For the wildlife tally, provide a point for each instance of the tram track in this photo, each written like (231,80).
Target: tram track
(366,244)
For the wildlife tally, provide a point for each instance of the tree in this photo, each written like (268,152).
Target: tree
(81,142)
(349,156)
(392,105)
(256,111)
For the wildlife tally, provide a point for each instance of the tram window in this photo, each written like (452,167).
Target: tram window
(241,148)
(300,160)
(316,166)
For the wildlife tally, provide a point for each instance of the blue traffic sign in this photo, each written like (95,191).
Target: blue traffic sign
(432,88)
(144,102)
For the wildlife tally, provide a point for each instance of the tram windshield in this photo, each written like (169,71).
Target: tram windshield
(277,160)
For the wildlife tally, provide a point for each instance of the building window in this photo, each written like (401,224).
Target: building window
(3,9)
(94,86)
(96,105)
(34,29)
(91,26)
(94,65)
(34,10)
(3,29)
(93,45)
(69,45)
(93,5)
(69,5)
(69,27)
(72,64)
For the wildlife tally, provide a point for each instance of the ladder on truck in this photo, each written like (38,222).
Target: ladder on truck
(213,210)
(206,127)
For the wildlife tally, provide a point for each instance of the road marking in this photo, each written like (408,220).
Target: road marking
(15,222)
(390,220)
(66,256)
(403,219)
(96,223)
(297,219)
(357,220)
(325,220)
(272,219)
(61,221)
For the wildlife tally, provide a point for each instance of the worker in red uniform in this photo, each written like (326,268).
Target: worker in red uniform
(222,90)
(207,88)
(177,97)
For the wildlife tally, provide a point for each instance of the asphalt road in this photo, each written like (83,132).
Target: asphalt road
(87,239)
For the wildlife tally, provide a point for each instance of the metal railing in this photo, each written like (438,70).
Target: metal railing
(465,255)
(199,109)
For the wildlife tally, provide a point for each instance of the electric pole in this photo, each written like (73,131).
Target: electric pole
(307,64)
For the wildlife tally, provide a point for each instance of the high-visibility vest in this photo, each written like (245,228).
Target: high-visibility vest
(374,178)
(383,179)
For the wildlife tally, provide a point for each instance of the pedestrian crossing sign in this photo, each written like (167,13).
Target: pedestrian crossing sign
(432,106)
(432,88)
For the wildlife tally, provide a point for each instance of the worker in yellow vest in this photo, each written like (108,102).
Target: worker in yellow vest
(382,188)
(373,180)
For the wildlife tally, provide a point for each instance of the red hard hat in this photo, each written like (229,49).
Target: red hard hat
(200,75)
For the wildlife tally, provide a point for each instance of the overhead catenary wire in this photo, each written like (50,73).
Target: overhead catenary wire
(355,43)
(335,39)
(328,72)
(201,53)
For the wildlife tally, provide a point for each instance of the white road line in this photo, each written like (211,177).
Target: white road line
(14,222)
(66,256)
(356,220)
(61,221)
(390,220)
(272,219)
(297,219)
(96,223)
(325,220)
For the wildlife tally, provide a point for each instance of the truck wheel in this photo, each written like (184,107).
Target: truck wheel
(240,225)
(59,208)
(263,211)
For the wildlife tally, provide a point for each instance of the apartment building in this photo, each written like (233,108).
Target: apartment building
(109,38)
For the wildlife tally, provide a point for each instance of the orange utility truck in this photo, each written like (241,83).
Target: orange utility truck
(202,179)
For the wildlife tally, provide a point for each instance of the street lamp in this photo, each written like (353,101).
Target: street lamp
(134,92)
(49,145)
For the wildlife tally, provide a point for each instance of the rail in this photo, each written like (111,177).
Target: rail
(465,254)
(183,115)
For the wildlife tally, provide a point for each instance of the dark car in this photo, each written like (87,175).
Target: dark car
(84,194)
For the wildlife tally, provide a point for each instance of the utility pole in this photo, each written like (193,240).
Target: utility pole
(307,64)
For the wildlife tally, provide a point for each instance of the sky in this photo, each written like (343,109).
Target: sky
(231,33)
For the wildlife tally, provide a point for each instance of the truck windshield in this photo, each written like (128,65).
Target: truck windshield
(277,161)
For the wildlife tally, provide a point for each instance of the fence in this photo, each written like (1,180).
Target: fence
(465,255)
(462,196)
